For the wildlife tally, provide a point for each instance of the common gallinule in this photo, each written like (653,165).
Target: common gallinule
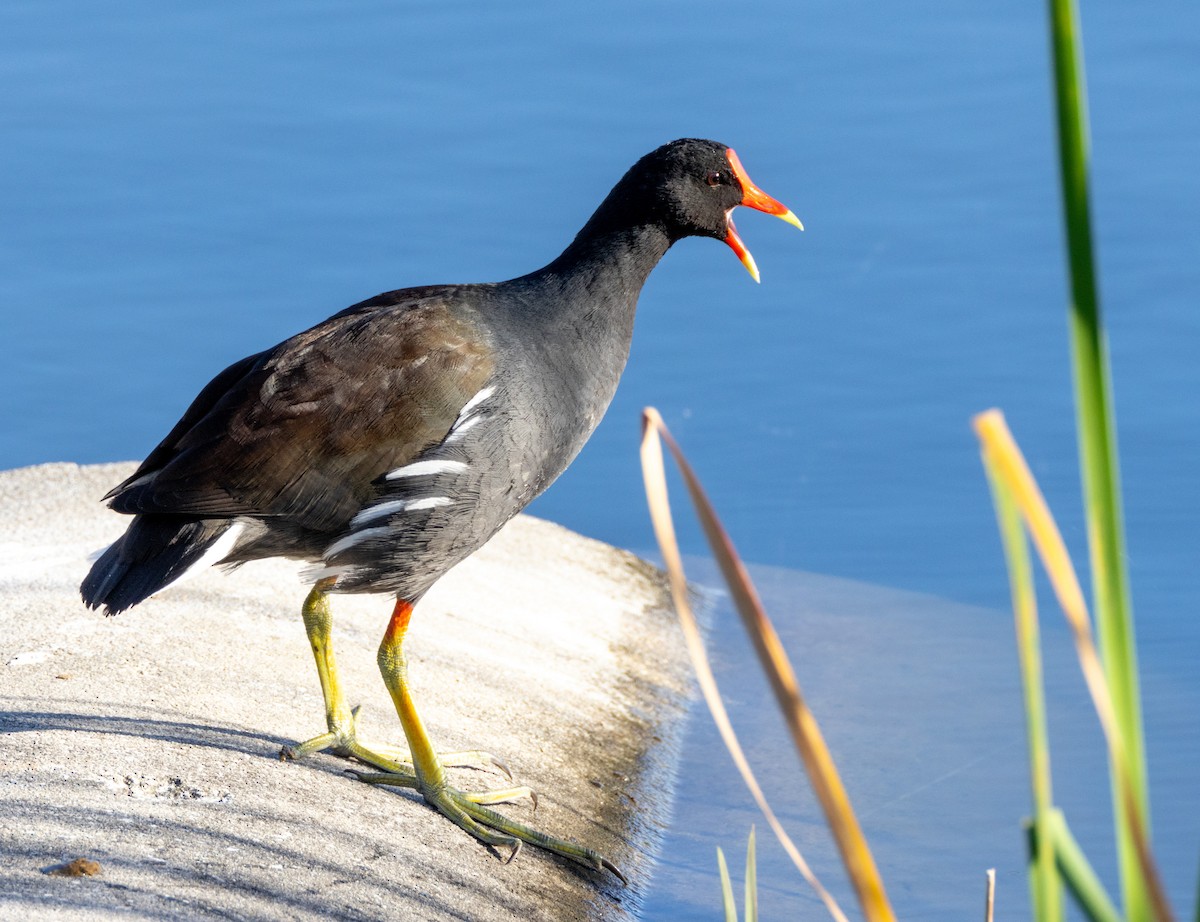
(387,443)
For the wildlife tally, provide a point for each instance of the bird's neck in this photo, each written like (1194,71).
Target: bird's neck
(600,275)
(576,315)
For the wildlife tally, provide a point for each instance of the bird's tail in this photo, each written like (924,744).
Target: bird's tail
(156,551)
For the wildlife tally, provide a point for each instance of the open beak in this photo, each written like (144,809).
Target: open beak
(753,197)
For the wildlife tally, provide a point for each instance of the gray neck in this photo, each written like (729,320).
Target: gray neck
(593,286)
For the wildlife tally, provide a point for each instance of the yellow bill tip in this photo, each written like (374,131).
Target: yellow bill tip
(791,219)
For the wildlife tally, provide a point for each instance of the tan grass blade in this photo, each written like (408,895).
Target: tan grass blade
(660,513)
(1004,459)
(860,865)
(989,901)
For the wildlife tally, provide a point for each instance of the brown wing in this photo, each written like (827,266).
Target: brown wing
(302,430)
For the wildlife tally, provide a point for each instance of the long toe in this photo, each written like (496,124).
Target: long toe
(563,847)
(343,740)
(457,804)
(470,811)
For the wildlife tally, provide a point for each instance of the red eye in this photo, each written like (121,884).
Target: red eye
(715,178)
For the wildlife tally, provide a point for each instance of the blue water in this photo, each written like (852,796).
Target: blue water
(180,186)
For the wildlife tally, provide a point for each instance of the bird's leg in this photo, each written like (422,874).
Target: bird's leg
(465,809)
(341,721)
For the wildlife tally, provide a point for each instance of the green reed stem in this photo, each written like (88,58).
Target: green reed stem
(1045,889)
(1090,895)
(1097,439)
(751,879)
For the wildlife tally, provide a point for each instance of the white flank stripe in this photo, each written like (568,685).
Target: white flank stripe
(476,401)
(430,502)
(422,468)
(371,513)
(216,551)
(460,429)
(356,537)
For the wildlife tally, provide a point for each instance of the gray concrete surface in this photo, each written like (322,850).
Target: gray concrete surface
(148,742)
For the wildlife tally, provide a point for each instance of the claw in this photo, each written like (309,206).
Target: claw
(316,744)
(475,758)
(503,770)
(606,865)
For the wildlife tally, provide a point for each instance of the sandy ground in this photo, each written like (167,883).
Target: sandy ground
(148,742)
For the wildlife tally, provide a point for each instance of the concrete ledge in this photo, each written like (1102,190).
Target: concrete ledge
(148,742)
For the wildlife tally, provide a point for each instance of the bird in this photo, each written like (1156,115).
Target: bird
(387,443)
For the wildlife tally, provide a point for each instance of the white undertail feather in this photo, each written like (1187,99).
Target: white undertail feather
(216,552)
(317,572)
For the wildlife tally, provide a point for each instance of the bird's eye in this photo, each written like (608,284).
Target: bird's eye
(716,178)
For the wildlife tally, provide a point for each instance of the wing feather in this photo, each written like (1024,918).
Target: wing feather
(304,429)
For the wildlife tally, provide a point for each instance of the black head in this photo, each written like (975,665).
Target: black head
(689,188)
(688,185)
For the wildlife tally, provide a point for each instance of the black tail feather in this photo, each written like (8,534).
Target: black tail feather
(152,554)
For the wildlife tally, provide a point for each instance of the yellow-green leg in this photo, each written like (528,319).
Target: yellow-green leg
(341,721)
(429,777)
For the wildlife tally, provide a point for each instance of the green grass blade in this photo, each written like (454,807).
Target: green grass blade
(1043,875)
(726,888)
(1006,464)
(1097,438)
(1081,880)
(751,880)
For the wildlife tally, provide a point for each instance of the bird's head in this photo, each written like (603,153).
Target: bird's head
(694,185)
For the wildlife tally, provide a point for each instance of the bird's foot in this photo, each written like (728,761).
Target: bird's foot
(471,812)
(342,739)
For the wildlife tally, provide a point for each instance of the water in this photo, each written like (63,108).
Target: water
(182,186)
(918,700)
